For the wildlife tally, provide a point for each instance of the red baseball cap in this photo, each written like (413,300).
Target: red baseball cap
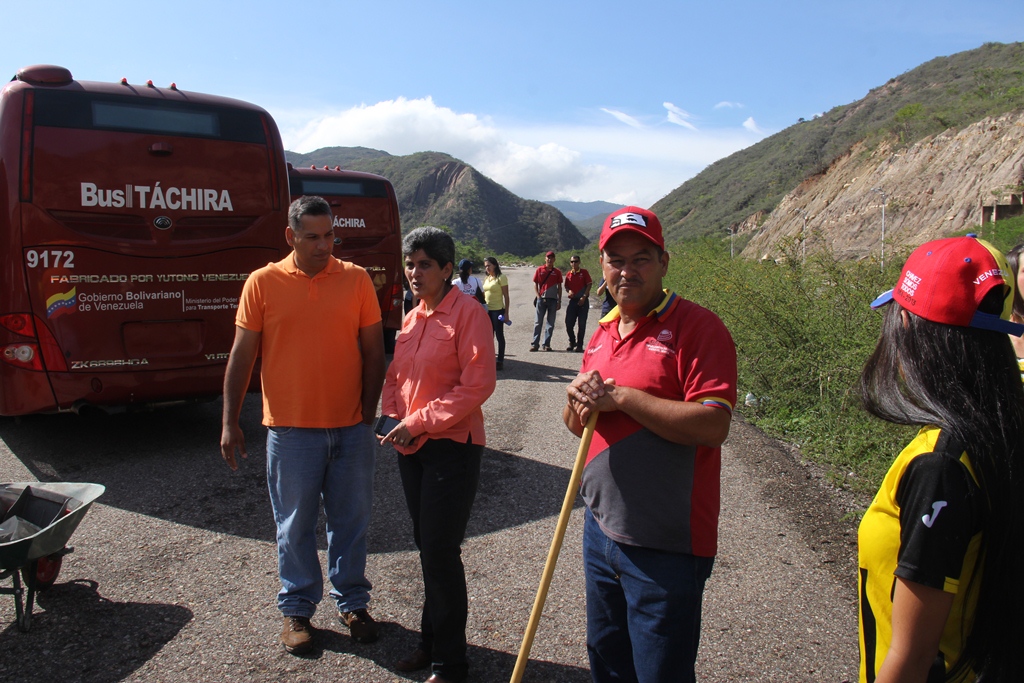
(945,280)
(550,253)
(632,219)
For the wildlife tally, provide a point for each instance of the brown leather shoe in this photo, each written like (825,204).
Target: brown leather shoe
(362,626)
(297,635)
(417,659)
(437,679)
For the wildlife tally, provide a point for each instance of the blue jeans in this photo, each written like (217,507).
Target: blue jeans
(545,307)
(305,466)
(643,610)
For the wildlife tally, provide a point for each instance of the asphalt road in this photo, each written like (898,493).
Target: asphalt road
(173,577)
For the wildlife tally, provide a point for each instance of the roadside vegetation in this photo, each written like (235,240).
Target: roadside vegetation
(803,331)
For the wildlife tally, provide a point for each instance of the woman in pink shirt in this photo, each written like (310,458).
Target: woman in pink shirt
(442,372)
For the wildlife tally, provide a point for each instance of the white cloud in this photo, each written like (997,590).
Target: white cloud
(625,118)
(728,105)
(678,116)
(751,125)
(635,163)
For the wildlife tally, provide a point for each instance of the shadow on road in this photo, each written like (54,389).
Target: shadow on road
(79,635)
(165,464)
(520,368)
(485,663)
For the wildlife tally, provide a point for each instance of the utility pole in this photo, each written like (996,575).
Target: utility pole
(882,192)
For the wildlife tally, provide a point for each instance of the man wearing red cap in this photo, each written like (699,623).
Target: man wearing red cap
(547,286)
(661,372)
(577,287)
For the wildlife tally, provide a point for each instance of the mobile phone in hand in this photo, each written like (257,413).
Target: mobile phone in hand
(384,425)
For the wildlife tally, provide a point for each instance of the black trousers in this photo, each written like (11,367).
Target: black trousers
(499,331)
(575,313)
(440,482)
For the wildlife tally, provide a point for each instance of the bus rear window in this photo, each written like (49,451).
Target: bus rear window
(342,187)
(154,120)
(91,111)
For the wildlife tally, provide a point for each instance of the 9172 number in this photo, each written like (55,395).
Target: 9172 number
(53,258)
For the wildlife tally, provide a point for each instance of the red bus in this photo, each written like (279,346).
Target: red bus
(130,217)
(367,230)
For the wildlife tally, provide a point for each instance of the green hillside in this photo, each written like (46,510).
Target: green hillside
(437,189)
(946,92)
(336,156)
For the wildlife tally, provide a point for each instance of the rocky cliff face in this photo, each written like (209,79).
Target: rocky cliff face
(932,189)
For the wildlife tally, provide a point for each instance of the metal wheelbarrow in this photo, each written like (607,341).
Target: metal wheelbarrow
(36,522)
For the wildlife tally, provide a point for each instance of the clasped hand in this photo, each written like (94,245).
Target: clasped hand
(590,392)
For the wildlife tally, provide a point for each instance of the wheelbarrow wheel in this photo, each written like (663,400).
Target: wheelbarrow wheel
(45,572)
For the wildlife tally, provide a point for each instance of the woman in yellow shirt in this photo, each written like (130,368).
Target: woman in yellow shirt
(496,298)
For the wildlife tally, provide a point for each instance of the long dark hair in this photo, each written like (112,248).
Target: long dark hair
(494,262)
(966,381)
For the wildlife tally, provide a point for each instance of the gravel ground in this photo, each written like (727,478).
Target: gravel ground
(174,575)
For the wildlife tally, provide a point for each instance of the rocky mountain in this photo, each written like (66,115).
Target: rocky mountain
(934,188)
(437,189)
(913,124)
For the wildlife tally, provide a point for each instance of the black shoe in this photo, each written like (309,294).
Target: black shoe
(571,348)
(579,349)
(499,365)
(417,659)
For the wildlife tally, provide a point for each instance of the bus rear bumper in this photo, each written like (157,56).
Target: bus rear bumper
(23,392)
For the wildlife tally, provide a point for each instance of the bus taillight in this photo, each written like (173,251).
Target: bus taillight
(26,147)
(41,348)
(272,159)
(396,296)
(23,356)
(19,323)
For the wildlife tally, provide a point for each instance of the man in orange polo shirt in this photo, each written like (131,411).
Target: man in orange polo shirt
(319,324)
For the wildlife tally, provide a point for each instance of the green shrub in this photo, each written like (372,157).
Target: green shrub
(803,331)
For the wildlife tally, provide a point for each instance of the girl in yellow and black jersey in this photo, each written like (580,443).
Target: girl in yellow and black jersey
(941,547)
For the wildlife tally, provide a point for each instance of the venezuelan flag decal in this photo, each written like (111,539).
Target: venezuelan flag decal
(61,302)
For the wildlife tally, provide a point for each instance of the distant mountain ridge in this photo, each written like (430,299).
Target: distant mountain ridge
(790,185)
(581,211)
(741,191)
(438,189)
(587,216)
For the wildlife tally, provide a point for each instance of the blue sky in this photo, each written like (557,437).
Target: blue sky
(596,100)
